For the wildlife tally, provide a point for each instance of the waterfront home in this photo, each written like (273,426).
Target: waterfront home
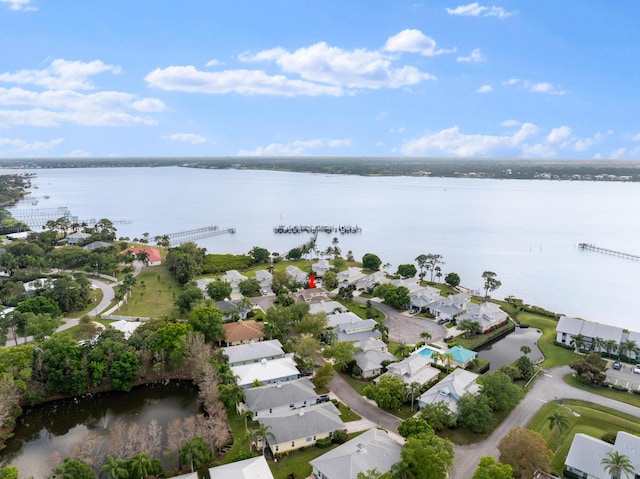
(370,281)
(568,327)
(253,468)
(302,427)
(488,315)
(253,352)
(153,255)
(74,239)
(349,276)
(330,308)
(233,277)
(586,454)
(370,362)
(461,357)
(423,297)
(412,284)
(448,308)
(373,449)
(265,372)
(451,389)
(414,369)
(233,309)
(264,277)
(297,275)
(279,397)
(321,267)
(242,332)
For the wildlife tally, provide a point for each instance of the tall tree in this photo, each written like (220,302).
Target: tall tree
(578,341)
(433,260)
(371,261)
(427,456)
(263,434)
(490,469)
(558,421)
(115,468)
(617,464)
(628,347)
(491,283)
(208,321)
(525,451)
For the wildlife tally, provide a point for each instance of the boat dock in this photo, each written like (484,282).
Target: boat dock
(592,247)
(315,229)
(198,233)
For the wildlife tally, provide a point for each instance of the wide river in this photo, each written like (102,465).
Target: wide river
(526,231)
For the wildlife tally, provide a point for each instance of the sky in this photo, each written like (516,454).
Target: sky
(162,78)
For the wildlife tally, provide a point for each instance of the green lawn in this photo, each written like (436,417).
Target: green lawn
(298,461)
(554,355)
(153,295)
(621,396)
(593,420)
(360,309)
(346,413)
(240,437)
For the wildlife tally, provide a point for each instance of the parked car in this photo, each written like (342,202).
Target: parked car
(637,369)
(443,321)
(617,365)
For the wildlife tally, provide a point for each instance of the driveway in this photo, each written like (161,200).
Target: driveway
(107,296)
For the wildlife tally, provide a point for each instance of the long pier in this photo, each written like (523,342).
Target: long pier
(37,218)
(198,233)
(592,247)
(315,229)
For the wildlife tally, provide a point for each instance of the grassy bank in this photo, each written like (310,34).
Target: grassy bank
(554,355)
(153,294)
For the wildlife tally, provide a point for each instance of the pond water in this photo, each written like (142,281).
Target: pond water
(507,350)
(45,434)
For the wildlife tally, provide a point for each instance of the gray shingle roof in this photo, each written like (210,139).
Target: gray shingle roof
(300,423)
(253,351)
(274,395)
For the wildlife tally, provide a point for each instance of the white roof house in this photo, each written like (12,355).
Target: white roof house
(350,275)
(264,278)
(338,319)
(415,368)
(586,453)
(487,315)
(233,277)
(266,372)
(373,449)
(321,267)
(36,284)
(449,307)
(568,327)
(253,352)
(412,284)
(330,308)
(451,389)
(371,280)
(253,468)
(358,331)
(127,327)
(370,362)
(297,274)
(76,238)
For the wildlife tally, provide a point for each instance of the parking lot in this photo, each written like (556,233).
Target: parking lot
(623,377)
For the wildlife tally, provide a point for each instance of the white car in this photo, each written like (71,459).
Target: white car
(636,370)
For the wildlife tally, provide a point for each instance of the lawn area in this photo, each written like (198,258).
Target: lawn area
(475,340)
(356,384)
(593,420)
(621,396)
(298,461)
(554,355)
(346,413)
(153,294)
(240,436)
(360,309)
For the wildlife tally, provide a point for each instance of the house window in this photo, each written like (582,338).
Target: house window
(293,443)
(277,447)
(270,411)
(308,439)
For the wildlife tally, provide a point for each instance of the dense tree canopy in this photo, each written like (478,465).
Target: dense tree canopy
(525,451)
(371,261)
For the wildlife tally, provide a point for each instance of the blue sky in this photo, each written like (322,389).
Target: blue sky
(536,78)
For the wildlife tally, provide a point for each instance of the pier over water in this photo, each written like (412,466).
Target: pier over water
(315,229)
(592,247)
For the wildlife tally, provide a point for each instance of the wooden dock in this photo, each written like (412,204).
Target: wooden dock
(598,249)
(198,233)
(315,229)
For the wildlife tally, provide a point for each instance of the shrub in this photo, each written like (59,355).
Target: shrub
(609,437)
(339,436)
(323,443)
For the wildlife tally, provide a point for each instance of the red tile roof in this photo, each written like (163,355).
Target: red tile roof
(154,254)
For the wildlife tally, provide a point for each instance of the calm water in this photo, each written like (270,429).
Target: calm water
(507,350)
(524,230)
(45,434)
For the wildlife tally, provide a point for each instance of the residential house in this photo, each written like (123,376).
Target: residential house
(412,284)
(370,362)
(74,239)
(488,315)
(423,297)
(126,327)
(31,287)
(242,332)
(233,277)
(253,352)
(586,453)
(335,320)
(461,356)
(321,267)
(297,275)
(312,295)
(278,397)
(451,389)
(568,327)
(327,307)
(372,344)
(253,468)
(264,278)
(414,369)
(97,245)
(370,281)
(373,449)
(302,427)
(449,307)
(153,255)
(265,371)
(233,309)
(357,331)
(349,276)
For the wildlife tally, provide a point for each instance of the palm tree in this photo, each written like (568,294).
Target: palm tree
(382,328)
(615,464)
(192,453)
(578,341)
(558,421)
(115,468)
(610,345)
(525,349)
(263,433)
(447,358)
(629,346)
(140,465)
(247,416)
(426,335)
(403,350)
(598,344)
(412,389)
(143,257)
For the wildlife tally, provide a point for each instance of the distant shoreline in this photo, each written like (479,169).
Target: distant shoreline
(503,168)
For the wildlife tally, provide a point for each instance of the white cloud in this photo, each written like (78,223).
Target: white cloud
(52,108)
(414,41)
(476,10)
(559,135)
(19,5)
(542,87)
(484,89)
(61,75)
(475,57)
(296,148)
(79,154)
(12,146)
(636,137)
(186,137)
(244,82)
(213,63)
(510,123)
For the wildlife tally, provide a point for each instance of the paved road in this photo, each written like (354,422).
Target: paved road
(107,296)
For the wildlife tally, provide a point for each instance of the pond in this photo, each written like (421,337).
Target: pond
(507,349)
(47,433)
